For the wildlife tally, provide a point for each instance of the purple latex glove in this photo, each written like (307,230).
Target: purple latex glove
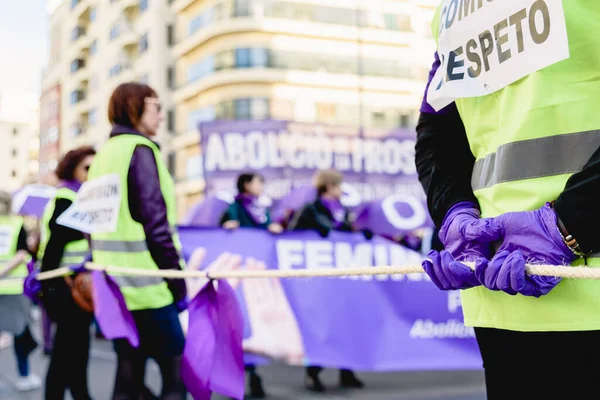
(445,269)
(527,237)
(32,287)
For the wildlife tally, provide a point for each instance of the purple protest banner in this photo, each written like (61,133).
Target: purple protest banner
(112,315)
(376,323)
(213,356)
(375,163)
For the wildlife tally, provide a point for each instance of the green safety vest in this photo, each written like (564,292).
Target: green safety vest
(528,139)
(74,252)
(126,246)
(10,227)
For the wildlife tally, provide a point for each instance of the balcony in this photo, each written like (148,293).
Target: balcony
(294,28)
(80,7)
(180,5)
(77,34)
(129,6)
(79,70)
(128,38)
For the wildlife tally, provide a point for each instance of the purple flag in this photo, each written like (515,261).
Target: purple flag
(207,213)
(115,320)
(394,215)
(213,359)
(32,199)
(293,201)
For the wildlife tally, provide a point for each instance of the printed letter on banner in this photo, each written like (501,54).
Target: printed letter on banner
(485,46)
(96,209)
(6,237)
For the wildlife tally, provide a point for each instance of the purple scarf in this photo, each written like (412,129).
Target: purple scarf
(73,185)
(257,212)
(337,210)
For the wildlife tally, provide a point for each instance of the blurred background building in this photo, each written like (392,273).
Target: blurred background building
(356,63)
(20,137)
(94,46)
(353,63)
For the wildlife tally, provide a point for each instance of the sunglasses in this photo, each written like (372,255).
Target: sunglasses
(153,100)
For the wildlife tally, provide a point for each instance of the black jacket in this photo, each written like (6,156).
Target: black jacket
(315,216)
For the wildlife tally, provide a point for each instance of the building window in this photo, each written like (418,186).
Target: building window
(170,35)
(115,31)
(241,8)
(171,120)
(92,117)
(77,64)
(201,69)
(93,14)
(196,117)
(14,173)
(171,78)
(94,48)
(172,162)
(15,131)
(143,5)
(404,121)
(143,43)
(15,152)
(77,32)
(76,96)
(115,70)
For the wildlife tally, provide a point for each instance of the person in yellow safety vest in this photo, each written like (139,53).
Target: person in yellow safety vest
(14,305)
(145,237)
(61,246)
(508,152)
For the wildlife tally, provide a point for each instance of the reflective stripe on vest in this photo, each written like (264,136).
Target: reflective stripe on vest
(117,246)
(12,284)
(535,158)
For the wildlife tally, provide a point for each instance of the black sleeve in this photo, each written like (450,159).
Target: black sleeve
(444,162)
(309,219)
(59,237)
(577,206)
(228,215)
(22,240)
(147,206)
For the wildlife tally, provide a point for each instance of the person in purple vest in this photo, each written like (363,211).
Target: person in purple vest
(325,214)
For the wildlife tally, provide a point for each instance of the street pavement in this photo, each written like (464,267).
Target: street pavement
(281,382)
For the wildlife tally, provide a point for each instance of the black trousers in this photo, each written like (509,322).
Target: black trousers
(69,360)
(162,339)
(540,365)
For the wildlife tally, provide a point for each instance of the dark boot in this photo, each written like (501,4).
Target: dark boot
(255,387)
(312,381)
(349,380)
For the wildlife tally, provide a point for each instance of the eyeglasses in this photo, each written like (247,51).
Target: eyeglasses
(154,100)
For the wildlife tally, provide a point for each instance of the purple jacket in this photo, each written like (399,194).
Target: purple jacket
(147,206)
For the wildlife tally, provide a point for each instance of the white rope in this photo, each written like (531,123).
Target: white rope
(542,270)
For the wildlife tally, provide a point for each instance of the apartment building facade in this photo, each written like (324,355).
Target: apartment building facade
(351,63)
(95,46)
